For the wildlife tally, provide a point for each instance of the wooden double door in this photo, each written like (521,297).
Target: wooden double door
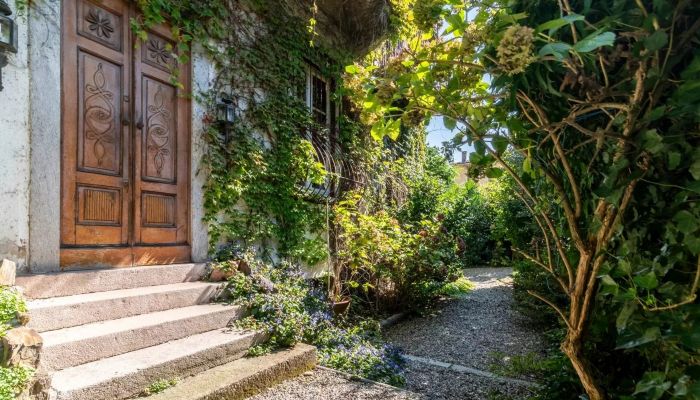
(125,141)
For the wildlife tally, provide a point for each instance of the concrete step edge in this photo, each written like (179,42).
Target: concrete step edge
(73,346)
(127,375)
(69,311)
(57,284)
(244,377)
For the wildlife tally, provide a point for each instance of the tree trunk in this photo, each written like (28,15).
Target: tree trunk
(573,348)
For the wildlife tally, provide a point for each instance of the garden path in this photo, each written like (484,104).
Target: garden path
(450,351)
(470,334)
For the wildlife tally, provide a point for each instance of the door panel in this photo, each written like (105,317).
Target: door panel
(125,144)
(96,70)
(161,189)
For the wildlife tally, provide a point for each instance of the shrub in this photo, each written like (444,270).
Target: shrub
(299,310)
(13,381)
(11,303)
(386,265)
(470,217)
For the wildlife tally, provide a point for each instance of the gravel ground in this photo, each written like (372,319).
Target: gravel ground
(467,331)
(471,330)
(436,383)
(323,384)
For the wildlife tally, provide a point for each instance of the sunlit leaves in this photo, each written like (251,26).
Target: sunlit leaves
(553,25)
(594,41)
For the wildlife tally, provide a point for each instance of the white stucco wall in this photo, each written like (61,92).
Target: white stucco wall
(14,152)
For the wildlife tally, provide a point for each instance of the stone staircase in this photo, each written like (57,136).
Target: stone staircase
(108,334)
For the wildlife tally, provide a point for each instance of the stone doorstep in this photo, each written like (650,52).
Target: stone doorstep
(69,347)
(244,377)
(68,311)
(128,374)
(68,283)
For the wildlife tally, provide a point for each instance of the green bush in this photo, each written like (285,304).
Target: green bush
(386,265)
(11,303)
(299,310)
(13,381)
(470,217)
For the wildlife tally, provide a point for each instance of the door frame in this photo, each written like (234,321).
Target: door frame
(131,254)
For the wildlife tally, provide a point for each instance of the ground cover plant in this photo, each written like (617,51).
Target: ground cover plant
(13,379)
(599,100)
(289,308)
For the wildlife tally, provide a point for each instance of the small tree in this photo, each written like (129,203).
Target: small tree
(600,98)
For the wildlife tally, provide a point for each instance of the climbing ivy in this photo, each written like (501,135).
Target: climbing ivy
(254,167)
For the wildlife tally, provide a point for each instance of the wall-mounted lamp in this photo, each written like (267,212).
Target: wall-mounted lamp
(8,35)
(225,112)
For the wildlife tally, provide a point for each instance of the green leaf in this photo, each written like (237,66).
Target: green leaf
(594,41)
(500,144)
(630,339)
(685,222)
(608,285)
(693,243)
(494,173)
(627,310)
(449,122)
(652,141)
(393,129)
(352,69)
(656,41)
(647,281)
(654,384)
(555,24)
(480,147)
(695,170)
(674,159)
(377,131)
(559,50)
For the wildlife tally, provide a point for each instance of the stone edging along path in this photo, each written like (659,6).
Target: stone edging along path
(469,370)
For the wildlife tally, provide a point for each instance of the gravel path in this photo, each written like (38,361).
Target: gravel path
(469,332)
(324,384)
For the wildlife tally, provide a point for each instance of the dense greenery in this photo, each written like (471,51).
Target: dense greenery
(13,379)
(289,308)
(600,101)
(12,304)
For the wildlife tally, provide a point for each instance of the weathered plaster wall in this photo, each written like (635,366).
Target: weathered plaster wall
(45,117)
(14,152)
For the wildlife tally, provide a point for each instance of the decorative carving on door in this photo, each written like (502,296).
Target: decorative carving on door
(157,53)
(100,25)
(100,140)
(158,131)
(159,135)
(99,115)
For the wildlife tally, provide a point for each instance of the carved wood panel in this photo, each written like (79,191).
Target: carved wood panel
(124,138)
(158,52)
(159,132)
(99,24)
(99,115)
(99,206)
(159,210)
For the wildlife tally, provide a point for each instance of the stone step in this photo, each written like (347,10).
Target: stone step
(127,375)
(244,377)
(68,283)
(77,345)
(68,311)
